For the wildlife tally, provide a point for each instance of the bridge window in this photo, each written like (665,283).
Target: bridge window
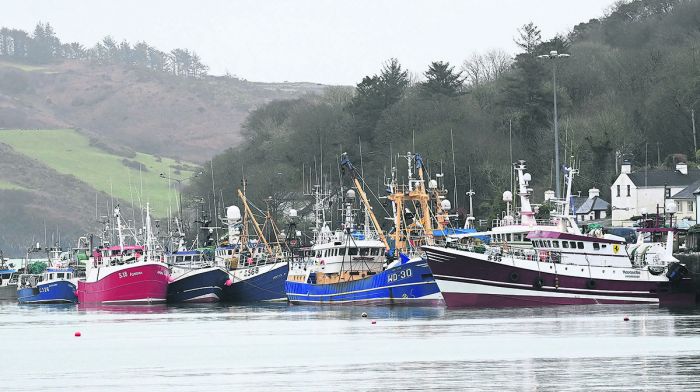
(352,251)
(565,244)
(596,246)
(555,244)
(59,276)
(580,245)
(572,244)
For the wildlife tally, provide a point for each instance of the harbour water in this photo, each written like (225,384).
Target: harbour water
(279,347)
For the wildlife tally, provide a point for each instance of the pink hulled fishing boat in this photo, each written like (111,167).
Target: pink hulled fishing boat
(123,274)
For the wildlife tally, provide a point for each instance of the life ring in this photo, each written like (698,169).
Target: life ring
(514,276)
(538,283)
(591,284)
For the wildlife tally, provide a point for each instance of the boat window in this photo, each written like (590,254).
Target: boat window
(352,251)
(534,243)
(364,252)
(572,244)
(178,259)
(59,276)
(580,245)
(555,244)
(565,244)
(549,244)
(188,258)
(596,246)
(318,253)
(508,237)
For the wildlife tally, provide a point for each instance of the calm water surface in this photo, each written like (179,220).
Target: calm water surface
(298,348)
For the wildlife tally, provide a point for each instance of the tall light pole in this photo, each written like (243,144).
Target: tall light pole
(179,187)
(554,55)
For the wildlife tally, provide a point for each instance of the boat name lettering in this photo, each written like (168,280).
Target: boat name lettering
(633,273)
(396,276)
(43,289)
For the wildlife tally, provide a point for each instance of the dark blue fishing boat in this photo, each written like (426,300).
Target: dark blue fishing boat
(53,286)
(195,278)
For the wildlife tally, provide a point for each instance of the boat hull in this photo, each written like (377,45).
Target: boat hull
(467,280)
(8,293)
(60,292)
(142,283)
(199,285)
(265,285)
(406,284)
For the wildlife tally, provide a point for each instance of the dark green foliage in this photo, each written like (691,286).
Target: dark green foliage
(43,47)
(441,80)
(631,81)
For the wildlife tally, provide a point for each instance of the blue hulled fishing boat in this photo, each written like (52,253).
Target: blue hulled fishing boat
(357,266)
(195,277)
(257,267)
(53,286)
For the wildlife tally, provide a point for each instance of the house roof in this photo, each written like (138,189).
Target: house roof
(586,205)
(658,177)
(688,192)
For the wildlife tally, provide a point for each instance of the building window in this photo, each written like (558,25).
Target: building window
(618,191)
(680,207)
(690,206)
(628,191)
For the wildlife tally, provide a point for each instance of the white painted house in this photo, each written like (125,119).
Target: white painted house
(635,193)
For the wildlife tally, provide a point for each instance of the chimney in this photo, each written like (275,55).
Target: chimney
(682,167)
(626,167)
(593,192)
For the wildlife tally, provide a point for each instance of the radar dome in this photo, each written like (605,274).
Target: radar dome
(527,177)
(446,205)
(432,184)
(233,213)
(507,196)
(292,213)
(671,207)
(350,194)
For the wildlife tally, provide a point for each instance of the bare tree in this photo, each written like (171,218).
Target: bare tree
(483,68)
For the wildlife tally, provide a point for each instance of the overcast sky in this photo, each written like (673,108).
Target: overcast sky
(333,42)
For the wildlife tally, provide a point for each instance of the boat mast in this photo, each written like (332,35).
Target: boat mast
(120,234)
(255,222)
(345,161)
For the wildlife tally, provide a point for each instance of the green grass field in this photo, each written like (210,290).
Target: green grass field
(69,152)
(10,186)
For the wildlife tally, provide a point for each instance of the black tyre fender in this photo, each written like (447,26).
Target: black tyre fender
(514,276)
(591,284)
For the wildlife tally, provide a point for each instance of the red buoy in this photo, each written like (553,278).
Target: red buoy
(77,333)
(228,282)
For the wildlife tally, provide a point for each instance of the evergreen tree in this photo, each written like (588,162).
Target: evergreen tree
(442,80)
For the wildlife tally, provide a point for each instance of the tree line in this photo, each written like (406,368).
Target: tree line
(631,82)
(43,47)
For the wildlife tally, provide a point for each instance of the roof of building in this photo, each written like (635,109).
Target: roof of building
(585,205)
(658,177)
(688,192)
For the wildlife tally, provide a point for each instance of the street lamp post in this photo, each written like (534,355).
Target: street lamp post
(554,55)
(179,187)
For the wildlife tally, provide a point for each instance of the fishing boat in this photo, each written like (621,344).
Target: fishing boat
(195,278)
(56,285)
(562,267)
(350,265)
(257,267)
(124,274)
(8,281)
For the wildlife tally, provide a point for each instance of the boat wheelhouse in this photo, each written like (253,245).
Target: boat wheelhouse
(8,284)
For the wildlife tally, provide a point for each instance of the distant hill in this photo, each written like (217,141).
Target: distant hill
(135,109)
(75,134)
